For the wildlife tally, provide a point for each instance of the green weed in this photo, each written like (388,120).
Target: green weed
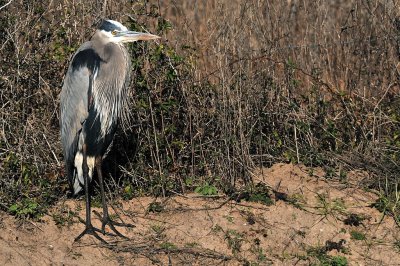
(64,217)
(356,235)
(324,259)
(206,190)
(27,208)
(234,239)
(168,245)
(330,207)
(155,207)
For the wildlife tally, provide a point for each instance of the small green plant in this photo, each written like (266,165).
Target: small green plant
(27,208)
(310,172)
(155,207)
(217,228)
(192,244)
(336,261)
(158,232)
(356,235)
(64,217)
(320,253)
(261,194)
(342,175)
(128,192)
(234,239)
(258,251)
(297,200)
(168,245)
(96,201)
(388,205)
(261,198)
(327,207)
(207,190)
(229,218)
(381,204)
(330,172)
(163,25)
(324,259)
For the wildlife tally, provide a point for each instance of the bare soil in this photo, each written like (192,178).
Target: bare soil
(312,220)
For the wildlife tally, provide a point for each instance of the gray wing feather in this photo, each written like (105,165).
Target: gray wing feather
(74,106)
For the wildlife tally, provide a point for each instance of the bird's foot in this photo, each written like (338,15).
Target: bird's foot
(106,220)
(90,230)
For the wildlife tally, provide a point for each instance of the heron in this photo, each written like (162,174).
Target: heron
(93,101)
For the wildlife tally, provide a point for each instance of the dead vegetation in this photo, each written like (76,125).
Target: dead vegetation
(232,85)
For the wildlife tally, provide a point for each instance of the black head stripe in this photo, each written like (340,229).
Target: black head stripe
(108,26)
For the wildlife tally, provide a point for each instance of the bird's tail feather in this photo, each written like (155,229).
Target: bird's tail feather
(78,180)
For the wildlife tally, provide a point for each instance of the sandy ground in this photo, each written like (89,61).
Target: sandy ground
(311,220)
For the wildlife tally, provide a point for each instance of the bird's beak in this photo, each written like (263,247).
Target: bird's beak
(132,36)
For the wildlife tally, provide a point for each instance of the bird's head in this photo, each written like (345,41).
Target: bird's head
(113,31)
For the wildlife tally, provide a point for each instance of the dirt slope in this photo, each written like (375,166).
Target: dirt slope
(312,220)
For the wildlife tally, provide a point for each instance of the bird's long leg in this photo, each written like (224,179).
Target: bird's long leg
(106,218)
(89,227)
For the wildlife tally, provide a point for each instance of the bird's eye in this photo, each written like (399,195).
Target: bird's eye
(114,32)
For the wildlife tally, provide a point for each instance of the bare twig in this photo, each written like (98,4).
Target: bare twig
(104,8)
(9,2)
(52,150)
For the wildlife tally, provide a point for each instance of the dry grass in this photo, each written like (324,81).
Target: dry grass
(231,86)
